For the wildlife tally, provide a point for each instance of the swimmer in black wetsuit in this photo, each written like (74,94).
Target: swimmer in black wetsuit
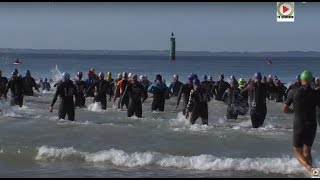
(65,90)
(136,92)
(198,103)
(304,100)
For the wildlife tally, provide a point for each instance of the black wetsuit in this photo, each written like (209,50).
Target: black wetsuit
(113,86)
(219,88)
(232,95)
(198,105)
(212,88)
(28,84)
(295,85)
(66,90)
(136,92)
(102,88)
(145,84)
(280,93)
(80,100)
(46,86)
(175,87)
(184,93)
(15,85)
(270,90)
(304,99)
(258,106)
(3,85)
(208,86)
(243,103)
(158,90)
(318,108)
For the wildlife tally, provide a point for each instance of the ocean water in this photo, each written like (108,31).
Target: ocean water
(34,143)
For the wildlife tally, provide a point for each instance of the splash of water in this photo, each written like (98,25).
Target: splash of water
(56,74)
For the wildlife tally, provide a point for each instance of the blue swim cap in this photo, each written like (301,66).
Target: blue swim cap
(298,77)
(257,75)
(65,76)
(205,77)
(28,73)
(196,81)
(190,78)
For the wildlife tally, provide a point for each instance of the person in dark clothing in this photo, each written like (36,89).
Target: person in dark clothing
(212,85)
(168,94)
(15,85)
(46,85)
(175,86)
(94,76)
(295,85)
(3,84)
(207,85)
(136,92)
(220,87)
(111,81)
(90,81)
(65,90)
(81,85)
(28,84)
(101,89)
(304,100)
(279,91)
(258,107)
(184,93)
(232,96)
(243,98)
(198,103)
(121,86)
(145,82)
(158,89)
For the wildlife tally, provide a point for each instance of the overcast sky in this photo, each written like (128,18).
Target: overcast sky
(147,26)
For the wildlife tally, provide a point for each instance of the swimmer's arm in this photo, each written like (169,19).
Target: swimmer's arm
(55,96)
(287,110)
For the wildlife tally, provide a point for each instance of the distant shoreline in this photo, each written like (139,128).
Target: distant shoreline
(10,51)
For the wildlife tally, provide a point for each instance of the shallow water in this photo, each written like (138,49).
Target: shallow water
(34,143)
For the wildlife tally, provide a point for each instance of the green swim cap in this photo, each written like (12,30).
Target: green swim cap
(306,75)
(241,81)
(119,75)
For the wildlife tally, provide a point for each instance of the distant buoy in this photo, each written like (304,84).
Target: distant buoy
(269,61)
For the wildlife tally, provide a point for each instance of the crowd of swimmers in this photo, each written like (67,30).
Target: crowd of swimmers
(240,96)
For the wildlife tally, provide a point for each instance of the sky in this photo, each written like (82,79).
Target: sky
(203,26)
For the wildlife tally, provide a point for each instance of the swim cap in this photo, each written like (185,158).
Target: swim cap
(14,73)
(125,75)
(28,73)
(175,76)
(196,81)
(298,77)
(158,77)
(275,78)
(130,75)
(134,77)
(65,76)
(45,79)
(270,76)
(257,75)
(306,75)
(241,81)
(120,76)
(109,74)
(101,75)
(233,81)
(210,78)
(190,78)
(79,74)
(92,69)
(232,77)
(205,77)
